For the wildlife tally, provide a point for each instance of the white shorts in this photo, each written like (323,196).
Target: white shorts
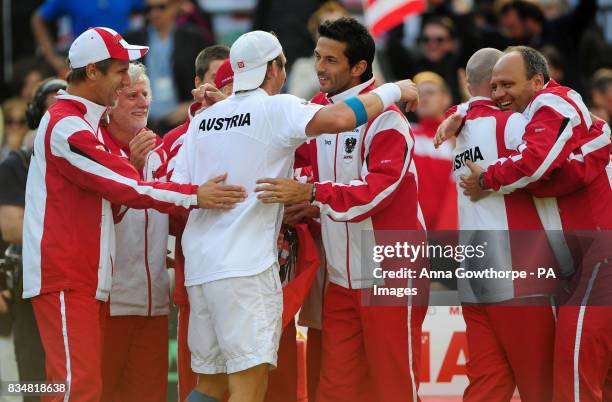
(235,323)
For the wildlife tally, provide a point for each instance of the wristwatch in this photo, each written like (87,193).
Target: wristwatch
(313,194)
(481,181)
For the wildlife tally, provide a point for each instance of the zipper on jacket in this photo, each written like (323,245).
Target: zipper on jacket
(146,259)
(348,271)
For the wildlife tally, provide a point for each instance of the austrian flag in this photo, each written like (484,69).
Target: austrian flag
(382,15)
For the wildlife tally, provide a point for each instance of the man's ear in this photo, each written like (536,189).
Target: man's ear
(197,82)
(92,72)
(359,68)
(538,81)
(271,71)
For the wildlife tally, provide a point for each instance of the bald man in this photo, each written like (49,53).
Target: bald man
(510,325)
(565,151)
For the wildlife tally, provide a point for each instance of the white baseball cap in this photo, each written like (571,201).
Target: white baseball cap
(97,44)
(249,57)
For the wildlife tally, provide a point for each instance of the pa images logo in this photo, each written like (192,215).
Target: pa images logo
(349,145)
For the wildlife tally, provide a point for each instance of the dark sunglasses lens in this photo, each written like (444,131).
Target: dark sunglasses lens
(20,122)
(159,7)
(436,39)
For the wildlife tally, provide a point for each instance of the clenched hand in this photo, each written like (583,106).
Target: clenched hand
(140,146)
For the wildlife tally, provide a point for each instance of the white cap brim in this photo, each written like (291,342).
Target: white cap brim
(250,79)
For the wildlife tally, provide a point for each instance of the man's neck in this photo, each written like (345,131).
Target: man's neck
(122,136)
(353,83)
(83,91)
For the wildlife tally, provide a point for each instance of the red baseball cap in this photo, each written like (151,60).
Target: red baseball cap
(97,44)
(225,74)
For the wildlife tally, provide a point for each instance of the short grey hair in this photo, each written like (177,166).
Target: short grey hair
(535,62)
(138,72)
(480,66)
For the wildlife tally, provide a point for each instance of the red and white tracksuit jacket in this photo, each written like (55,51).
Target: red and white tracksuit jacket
(140,277)
(136,328)
(69,234)
(368,182)
(510,341)
(558,132)
(487,135)
(172,142)
(437,197)
(560,143)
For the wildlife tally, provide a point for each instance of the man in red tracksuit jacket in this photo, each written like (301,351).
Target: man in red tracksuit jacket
(365,179)
(558,132)
(68,225)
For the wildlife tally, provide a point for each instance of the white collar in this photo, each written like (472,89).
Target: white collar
(352,91)
(479,98)
(93,112)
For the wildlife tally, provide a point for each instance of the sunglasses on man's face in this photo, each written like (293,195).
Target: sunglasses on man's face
(158,7)
(433,39)
(17,122)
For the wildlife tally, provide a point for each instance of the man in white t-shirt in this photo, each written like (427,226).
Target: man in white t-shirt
(231,270)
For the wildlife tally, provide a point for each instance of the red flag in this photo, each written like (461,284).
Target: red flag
(382,15)
(308,264)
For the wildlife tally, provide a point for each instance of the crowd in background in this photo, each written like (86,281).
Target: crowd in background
(575,36)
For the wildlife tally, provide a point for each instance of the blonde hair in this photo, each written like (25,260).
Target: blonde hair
(329,7)
(138,72)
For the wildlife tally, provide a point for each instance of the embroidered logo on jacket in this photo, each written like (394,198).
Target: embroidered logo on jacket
(349,145)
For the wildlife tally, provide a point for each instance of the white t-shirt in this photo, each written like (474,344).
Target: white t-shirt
(249,136)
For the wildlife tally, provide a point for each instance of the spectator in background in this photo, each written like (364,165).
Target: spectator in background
(83,14)
(44,96)
(524,23)
(170,46)
(29,351)
(15,125)
(190,13)
(601,93)
(286,19)
(437,193)
(28,75)
(555,63)
(302,80)
(437,52)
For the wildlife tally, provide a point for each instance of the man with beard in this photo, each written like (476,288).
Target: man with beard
(364,179)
